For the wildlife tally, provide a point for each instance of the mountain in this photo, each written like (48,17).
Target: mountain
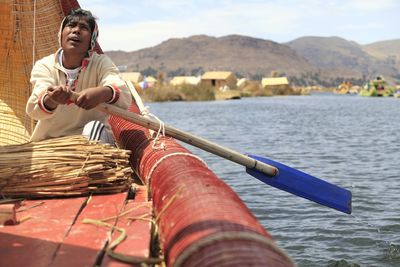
(384,49)
(307,60)
(335,56)
(243,55)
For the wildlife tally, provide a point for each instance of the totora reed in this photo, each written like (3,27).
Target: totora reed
(66,166)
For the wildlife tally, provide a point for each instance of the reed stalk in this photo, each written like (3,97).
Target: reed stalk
(65,166)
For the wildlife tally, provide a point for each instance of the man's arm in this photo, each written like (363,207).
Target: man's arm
(38,107)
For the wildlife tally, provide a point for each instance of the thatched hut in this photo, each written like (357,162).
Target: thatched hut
(181,80)
(219,79)
(133,77)
(277,85)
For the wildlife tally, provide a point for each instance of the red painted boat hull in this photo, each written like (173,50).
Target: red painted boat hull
(201,221)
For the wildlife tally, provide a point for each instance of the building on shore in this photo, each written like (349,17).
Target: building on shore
(277,85)
(133,77)
(182,80)
(148,82)
(219,79)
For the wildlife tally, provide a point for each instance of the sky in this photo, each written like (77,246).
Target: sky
(130,25)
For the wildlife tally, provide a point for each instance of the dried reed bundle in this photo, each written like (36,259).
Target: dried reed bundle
(66,166)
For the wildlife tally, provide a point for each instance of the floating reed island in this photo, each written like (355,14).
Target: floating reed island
(66,166)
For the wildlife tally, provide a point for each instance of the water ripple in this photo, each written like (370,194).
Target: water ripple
(350,141)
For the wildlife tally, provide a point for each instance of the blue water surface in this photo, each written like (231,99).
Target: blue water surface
(351,141)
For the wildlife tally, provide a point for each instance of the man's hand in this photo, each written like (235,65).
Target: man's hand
(91,97)
(57,95)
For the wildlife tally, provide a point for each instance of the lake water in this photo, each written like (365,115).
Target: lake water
(351,141)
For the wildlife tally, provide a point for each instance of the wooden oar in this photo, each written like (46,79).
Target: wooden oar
(268,171)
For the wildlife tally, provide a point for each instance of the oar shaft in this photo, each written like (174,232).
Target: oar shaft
(191,139)
(287,179)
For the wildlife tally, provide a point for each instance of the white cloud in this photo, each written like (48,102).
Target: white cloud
(246,19)
(374,6)
(131,25)
(136,36)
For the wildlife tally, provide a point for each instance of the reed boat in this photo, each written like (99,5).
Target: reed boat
(174,212)
(343,88)
(396,92)
(376,87)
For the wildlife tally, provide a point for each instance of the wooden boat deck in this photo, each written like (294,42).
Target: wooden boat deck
(52,232)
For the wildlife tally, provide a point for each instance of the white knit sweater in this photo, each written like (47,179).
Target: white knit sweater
(97,70)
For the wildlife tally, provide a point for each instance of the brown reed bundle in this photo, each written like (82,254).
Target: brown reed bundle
(65,166)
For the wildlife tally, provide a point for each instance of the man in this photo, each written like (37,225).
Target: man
(68,85)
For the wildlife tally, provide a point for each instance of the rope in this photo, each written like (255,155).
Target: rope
(34,33)
(110,250)
(33,53)
(214,238)
(123,213)
(169,203)
(33,62)
(158,162)
(160,132)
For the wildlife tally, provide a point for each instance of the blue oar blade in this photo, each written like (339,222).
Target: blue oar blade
(304,185)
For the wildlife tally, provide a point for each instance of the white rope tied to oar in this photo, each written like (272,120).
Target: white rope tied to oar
(157,144)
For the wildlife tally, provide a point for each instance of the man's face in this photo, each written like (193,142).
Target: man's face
(76,35)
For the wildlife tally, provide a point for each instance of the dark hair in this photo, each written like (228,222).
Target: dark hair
(75,14)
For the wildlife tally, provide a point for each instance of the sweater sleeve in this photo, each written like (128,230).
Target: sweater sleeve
(41,79)
(109,76)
